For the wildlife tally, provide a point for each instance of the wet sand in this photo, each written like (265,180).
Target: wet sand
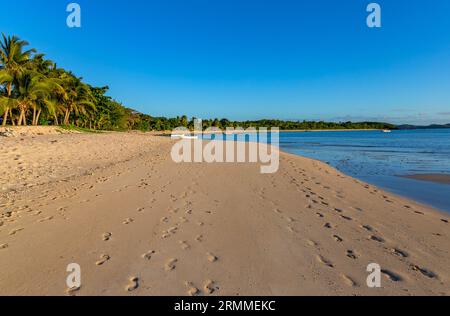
(438,178)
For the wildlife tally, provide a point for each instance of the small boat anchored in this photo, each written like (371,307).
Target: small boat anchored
(386,131)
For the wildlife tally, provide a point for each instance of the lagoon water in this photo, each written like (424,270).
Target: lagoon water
(382,158)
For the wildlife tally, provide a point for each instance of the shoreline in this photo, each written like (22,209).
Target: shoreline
(210,229)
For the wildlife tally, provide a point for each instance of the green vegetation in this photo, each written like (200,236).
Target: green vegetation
(34,91)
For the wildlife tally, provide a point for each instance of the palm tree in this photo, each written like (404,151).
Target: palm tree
(33,91)
(6,101)
(13,59)
(78,97)
(42,65)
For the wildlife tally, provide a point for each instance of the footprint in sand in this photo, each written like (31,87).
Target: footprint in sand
(72,290)
(192,290)
(128,221)
(311,243)
(291,229)
(133,285)
(164,220)
(348,280)
(199,238)
(170,265)
(351,254)
(328,225)
(367,227)
(399,253)
(211,258)
(15,231)
(165,235)
(184,245)
(376,238)
(424,271)
(45,219)
(183,220)
(148,255)
(210,287)
(103,260)
(337,238)
(172,230)
(444,221)
(106,236)
(346,218)
(324,261)
(391,275)
(3,246)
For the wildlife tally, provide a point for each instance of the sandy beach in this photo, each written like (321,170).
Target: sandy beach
(139,224)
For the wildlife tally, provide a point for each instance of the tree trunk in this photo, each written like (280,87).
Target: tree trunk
(5,117)
(56,120)
(19,122)
(12,117)
(24,117)
(66,117)
(38,115)
(34,116)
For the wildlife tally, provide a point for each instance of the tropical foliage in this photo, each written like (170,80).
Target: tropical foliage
(34,91)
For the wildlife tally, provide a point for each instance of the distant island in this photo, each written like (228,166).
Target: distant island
(432,126)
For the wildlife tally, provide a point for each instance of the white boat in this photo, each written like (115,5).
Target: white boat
(183,137)
(387,131)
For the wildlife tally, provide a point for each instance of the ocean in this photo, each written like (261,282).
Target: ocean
(383,158)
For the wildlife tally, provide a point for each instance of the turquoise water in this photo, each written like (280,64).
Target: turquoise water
(382,158)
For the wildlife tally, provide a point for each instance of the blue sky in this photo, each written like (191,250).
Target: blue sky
(252,59)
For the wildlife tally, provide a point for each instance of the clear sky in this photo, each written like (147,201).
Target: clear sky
(251,59)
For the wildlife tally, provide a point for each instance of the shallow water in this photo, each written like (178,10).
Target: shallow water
(380,158)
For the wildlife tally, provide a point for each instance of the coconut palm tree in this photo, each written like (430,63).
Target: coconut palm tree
(13,59)
(32,92)
(78,97)
(6,101)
